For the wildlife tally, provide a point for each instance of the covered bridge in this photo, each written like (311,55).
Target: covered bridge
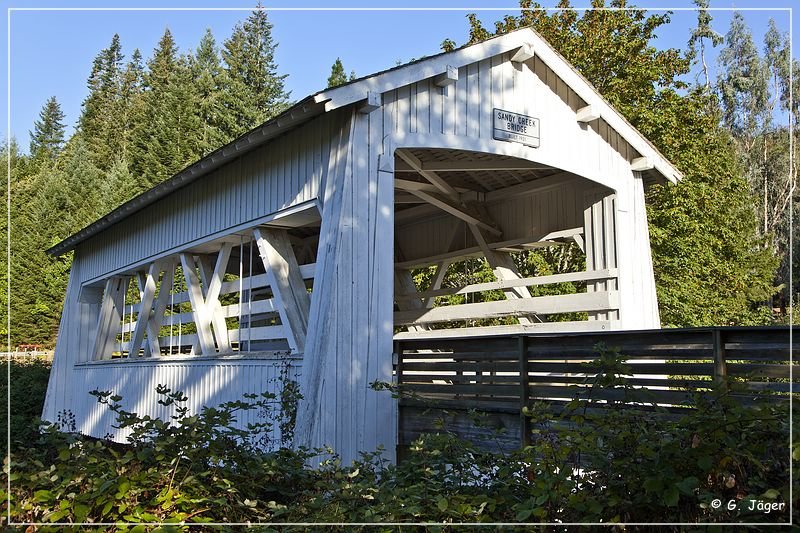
(296,241)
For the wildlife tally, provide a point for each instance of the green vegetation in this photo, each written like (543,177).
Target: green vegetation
(338,76)
(29,378)
(584,464)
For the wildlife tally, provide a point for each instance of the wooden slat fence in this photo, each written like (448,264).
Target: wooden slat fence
(454,375)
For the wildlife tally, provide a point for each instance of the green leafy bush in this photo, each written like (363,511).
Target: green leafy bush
(28,378)
(587,462)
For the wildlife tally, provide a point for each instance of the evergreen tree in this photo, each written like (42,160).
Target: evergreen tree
(167,131)
(100,120)
(206,71)
(47,137)
(253,91)
(337,77)
(130,102)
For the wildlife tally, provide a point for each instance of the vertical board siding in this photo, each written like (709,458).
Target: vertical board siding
(205,383)
(282,173)
(464,109)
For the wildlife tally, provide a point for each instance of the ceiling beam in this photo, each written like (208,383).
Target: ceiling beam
(432,177)
(459,211)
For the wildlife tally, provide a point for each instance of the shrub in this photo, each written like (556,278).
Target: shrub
(28,378)
(588,462)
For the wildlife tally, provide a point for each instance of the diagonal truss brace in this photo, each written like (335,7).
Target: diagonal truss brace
(206,309)
(288,289)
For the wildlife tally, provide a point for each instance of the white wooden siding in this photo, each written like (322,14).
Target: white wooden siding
(280,174)
(205,383)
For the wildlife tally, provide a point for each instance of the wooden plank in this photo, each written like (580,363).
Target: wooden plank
(110,316)
(568,303)
(773,351)
(436,281)
(147,287)
(484,331)
(256,333)
(212,284)
(760,370)
(590,275)
(231,287)
(404,283)
(288,289)
(535,186)
(317,358)
(720,368)
(164,293)
(499,433)
(202,317)
(473,251)
(259,309)
(508,391)
(525,391)
(459,211)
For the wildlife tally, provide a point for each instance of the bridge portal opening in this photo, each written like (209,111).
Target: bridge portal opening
(488,244)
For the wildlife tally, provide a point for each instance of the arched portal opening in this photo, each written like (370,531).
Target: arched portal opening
(488,244)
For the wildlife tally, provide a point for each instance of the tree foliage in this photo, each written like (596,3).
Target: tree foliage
(47,137)
(253,91)
(146,118)
(588,461)
(338,75)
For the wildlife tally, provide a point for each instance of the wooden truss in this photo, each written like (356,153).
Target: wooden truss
(204,277)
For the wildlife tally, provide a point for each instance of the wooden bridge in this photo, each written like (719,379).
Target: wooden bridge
(442,379)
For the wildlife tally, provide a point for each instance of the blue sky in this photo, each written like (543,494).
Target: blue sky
(51,52)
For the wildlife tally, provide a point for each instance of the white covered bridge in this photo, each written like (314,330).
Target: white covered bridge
(300,236)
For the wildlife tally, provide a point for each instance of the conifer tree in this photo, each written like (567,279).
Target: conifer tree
(206,70)
(253,91)
(166,135)
(130,102)
(337,77)
(47,137)
(99,120)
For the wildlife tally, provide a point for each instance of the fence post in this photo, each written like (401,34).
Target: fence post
(524,393)
(720,366)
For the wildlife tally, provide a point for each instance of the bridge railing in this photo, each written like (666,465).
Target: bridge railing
(668,366)
(417,309)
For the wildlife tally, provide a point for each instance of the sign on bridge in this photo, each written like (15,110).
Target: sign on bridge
(515,127)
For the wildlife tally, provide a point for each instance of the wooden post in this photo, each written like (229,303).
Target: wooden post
(524,421)
(288,289)
(397,355)
(720,365)
(200,314)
